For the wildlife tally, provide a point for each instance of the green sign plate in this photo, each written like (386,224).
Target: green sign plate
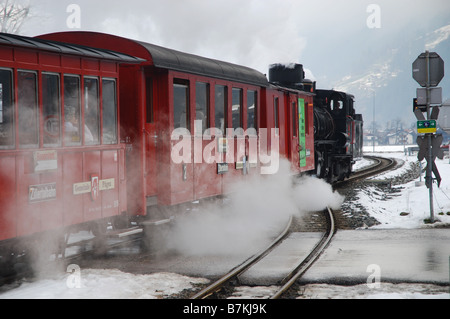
(302,131)
(428,126)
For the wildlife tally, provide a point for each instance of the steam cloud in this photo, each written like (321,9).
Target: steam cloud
(255,212)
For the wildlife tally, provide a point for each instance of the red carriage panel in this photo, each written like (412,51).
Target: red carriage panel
(109,183)
(6,54)
(52,176)
(71,62)
(74,186)
(8,216)
(92,201)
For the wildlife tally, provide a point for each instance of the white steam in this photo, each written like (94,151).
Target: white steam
(255,211)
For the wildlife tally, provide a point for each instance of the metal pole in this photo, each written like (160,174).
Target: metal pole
(429,176)
(373,138)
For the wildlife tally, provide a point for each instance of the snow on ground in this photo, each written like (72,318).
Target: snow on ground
(411,206)
(412,199)
(104,284)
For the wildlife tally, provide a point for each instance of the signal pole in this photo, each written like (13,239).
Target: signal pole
(429,176)
(428,71)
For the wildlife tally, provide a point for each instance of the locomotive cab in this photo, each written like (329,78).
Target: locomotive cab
(334,126)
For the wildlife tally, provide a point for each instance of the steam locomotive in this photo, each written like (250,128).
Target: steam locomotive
(337,127)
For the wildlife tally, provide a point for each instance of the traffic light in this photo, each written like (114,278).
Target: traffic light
(422,108)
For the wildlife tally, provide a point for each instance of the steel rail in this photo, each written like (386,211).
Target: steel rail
(209,290)
(306,263)
(381,164)
(311,258)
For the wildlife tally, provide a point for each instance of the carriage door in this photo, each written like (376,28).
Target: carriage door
(294,145)
(151,140)
(302,131)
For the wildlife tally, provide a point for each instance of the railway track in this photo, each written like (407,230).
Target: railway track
(232,277)
(380,165)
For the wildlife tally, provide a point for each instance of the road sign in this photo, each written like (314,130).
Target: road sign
(436,151)
(433,72)
(427,126)
(434,94)
(428,71)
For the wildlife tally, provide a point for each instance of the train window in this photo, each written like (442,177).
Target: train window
(6,110)
(149,99)
(236,108)
(220,107)
(336,105)
(252,120)
(181,104)
(28,109)
(109,102)
(276,113)
(72,110)
(294,119)
(51,109)
(202,104)
(91,112)
(305,115)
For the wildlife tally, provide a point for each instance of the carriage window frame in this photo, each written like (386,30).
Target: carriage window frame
(236,109)
(52,116)
(109,114)
(294,119)
(28,121)
(276,114)
(7,116)
(252,97)
(70,138)
(149,100)
(181,86)
(91,121)
(220,107)
(202,104)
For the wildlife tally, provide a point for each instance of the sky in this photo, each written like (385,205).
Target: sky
(365,47)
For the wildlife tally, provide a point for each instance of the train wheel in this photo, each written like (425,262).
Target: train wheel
(42,250)
(319,165)
(99,229)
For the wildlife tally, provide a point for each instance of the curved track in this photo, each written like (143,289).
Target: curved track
(217,285)
(380,165)
(311,258)
(303,265)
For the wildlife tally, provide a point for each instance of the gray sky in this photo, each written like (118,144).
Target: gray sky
(251,32)
(331,38)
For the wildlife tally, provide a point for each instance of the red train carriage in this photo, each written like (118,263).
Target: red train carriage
(289,108)
(88,134)
(290,112)
(172,90)
(61,160)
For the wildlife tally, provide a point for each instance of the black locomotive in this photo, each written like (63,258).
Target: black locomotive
(337,134)
(338,130)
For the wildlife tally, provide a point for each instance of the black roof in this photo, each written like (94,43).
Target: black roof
(328,93)
(185,62)
(65,48)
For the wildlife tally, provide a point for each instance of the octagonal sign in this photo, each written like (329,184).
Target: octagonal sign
(436,69)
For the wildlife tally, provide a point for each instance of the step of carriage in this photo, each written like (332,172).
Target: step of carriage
(157,222)
(120,233)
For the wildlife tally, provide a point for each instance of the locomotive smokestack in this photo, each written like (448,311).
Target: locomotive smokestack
(290,74)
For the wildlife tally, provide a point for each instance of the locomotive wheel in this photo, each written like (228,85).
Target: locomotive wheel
(319,168)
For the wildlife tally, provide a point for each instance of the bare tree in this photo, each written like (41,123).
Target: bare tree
(12,16)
